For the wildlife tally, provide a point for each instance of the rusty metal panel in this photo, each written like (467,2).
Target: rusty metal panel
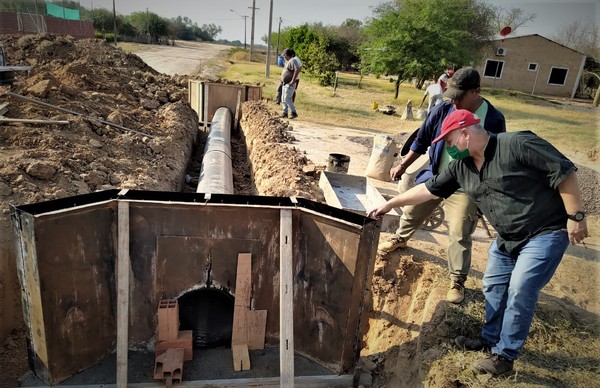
(69,246)
(74,257)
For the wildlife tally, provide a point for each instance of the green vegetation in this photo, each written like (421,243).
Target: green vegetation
(572,129)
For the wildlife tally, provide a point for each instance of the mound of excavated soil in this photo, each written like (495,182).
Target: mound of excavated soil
(42,162)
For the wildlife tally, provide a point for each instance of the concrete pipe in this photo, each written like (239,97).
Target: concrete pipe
(216,174)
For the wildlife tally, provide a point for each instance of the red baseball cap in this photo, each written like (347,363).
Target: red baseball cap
(458,119)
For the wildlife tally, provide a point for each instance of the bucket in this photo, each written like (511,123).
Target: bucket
(279,61)
(338,163)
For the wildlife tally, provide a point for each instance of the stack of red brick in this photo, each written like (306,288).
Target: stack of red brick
(173,346)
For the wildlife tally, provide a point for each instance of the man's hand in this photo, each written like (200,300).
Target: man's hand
(378,212)
(396,172)
(577,231)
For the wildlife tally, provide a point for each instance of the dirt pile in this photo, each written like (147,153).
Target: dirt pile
(41,162)
(279,169)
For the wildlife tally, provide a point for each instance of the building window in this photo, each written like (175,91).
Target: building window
(558,76)
(493,69)
(532,67)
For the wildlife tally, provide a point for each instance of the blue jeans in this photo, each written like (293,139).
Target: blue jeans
(511,286)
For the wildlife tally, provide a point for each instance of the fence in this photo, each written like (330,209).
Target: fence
(28,23)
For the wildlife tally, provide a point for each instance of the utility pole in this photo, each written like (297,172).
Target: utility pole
(252,29)
(245,17)
(115,22)
(268,70)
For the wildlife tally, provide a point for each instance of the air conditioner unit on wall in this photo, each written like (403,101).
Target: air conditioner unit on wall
(501,51)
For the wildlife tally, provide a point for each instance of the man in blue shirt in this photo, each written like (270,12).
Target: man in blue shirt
(461,213)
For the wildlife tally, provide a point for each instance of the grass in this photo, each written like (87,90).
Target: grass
(572,129)
(560,351)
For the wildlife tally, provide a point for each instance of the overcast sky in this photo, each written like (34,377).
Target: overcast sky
(551,14)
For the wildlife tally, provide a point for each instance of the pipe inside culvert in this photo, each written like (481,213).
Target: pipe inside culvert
(216,175)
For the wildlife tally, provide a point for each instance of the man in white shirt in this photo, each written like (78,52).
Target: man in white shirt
(435,92)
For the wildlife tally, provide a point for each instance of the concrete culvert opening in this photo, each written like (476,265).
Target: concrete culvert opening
(209,314)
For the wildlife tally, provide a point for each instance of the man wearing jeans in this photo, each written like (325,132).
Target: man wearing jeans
(529,192)
(460,211)
(289,76)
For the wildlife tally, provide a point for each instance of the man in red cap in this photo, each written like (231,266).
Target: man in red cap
(529,192)
(463,90)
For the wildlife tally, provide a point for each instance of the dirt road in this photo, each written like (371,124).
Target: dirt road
(185,58)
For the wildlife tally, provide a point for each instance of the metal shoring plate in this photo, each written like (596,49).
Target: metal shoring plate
(435,219)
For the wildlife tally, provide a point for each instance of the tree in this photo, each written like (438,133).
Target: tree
(422,38)
(150,24)
(581,37)
(513,18)
(311,44)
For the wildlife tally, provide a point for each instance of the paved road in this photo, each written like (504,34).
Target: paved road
(185,58)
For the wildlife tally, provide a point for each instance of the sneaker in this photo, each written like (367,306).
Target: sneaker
(473,345)
(456,294)
(496,365)
(396,242)
(294,115)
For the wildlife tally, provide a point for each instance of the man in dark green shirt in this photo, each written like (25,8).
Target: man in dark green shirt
(529,192)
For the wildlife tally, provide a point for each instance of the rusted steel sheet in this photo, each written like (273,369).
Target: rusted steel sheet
(181,243)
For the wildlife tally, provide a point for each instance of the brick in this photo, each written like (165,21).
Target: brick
(184,341)
(168,320)
(169,364)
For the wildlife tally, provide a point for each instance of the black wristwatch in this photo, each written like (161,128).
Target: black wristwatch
(577,216)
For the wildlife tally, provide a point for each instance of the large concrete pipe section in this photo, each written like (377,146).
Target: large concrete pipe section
(216,175)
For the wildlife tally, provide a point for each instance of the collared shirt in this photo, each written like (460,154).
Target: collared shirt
(432,127)
(516,188)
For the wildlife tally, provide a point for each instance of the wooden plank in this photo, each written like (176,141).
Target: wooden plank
(239,331)
(242,299)
(243,280)
(123,264)
(256,323)
(286,300)
(241,357)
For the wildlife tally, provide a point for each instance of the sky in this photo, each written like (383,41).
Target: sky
(551,15)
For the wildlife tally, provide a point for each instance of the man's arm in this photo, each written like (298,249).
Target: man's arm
(414,196)
(396,172)
(571,196)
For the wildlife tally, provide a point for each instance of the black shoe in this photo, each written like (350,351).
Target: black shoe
(283,116)
(294,115)
(472,345)
(496,365)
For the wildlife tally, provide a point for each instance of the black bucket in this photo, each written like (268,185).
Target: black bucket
(338,163)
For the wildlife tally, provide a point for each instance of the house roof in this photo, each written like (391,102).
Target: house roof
(528,36)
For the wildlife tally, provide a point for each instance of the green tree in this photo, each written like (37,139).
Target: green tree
(312,45)
(149,24)
(421,38)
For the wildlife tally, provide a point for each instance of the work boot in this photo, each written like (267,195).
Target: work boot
(496,365)
(294,115)
(473,345)
(396,242)
(456,294)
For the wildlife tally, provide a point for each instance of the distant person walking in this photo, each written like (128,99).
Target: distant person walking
(289,80)
(435,92)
